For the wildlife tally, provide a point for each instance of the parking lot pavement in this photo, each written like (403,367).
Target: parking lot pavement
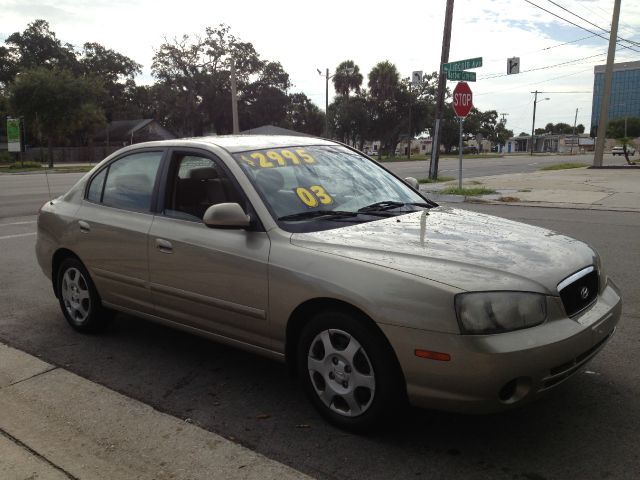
(54,424)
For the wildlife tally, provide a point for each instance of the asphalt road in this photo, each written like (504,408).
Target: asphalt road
(585,429)
(24,194)
(481,167)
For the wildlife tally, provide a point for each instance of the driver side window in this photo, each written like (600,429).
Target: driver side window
(195,183)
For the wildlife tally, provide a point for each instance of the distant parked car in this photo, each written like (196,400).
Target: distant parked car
(619,150)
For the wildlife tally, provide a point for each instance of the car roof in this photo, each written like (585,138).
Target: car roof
(243,143)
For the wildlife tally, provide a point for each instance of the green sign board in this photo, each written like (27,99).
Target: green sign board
(461,76)
(463,64)
(13,134)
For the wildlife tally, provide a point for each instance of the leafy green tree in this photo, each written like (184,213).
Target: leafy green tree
(117,73)
(615,128)
(194,80)
(383,81)
(303,115)
(347,78)
(56,103)
(37,46)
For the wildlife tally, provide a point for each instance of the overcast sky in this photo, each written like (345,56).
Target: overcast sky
(304,36)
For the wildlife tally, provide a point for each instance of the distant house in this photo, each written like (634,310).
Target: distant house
(273,130)
(551,142)
(127,132)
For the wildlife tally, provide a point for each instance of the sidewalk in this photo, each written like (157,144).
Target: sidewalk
(57,425)
(597,189)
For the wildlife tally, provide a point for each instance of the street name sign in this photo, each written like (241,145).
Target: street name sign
(463,64)
(461,76)
(462,99)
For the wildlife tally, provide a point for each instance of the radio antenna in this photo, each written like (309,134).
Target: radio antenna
(46,175)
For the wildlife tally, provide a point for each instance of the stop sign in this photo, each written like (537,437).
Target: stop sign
(462,99)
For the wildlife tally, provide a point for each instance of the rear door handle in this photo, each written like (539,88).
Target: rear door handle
(84,226)
(164,245)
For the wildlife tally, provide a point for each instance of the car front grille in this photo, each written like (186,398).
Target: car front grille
(579,291)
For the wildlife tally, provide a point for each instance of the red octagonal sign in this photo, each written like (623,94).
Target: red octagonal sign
(462,99)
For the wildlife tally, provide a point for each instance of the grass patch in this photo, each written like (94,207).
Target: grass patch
(17,168)
(467,192)
(564,166)
(437,180)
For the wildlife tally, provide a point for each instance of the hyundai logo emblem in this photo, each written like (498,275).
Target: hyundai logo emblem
(584,293)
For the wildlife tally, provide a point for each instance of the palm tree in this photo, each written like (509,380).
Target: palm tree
(347,78)
(383,81)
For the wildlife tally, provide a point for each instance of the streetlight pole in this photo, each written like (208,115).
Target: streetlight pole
(533,126)
(328,77)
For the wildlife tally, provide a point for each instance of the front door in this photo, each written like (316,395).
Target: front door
(211,279)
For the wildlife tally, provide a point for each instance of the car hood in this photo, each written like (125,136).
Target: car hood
(467,250)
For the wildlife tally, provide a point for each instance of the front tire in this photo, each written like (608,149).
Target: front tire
(79,299)
(349,371)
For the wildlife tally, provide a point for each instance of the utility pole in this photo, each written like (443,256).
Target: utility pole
(234,98)
(504,118)
(533,126)
(575,120)
(411,136)
(442,83)
(326,105)
(608,80)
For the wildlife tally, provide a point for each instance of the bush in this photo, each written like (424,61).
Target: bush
(6,157)
(19,165)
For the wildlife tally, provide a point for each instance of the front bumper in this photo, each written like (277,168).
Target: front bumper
(488,373)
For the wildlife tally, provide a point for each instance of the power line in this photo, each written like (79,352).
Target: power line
(567,43)
(532,83)
(498,75)
(579,26)
(591,23)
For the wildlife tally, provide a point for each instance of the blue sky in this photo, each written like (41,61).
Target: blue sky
(304,37)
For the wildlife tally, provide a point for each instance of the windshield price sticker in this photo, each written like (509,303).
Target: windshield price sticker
(313,196)
(278,158)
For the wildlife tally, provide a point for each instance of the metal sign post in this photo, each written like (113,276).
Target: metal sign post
(460,155)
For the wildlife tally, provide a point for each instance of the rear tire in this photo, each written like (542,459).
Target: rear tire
(349,371)
(79,299)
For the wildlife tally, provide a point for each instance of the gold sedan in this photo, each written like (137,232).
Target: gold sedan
(307,251)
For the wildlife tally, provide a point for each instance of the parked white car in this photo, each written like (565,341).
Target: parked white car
(619,150)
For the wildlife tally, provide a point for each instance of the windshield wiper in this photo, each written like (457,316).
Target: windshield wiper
(390,204)
(317,213)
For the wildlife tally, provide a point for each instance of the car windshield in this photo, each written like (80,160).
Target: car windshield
(322,187)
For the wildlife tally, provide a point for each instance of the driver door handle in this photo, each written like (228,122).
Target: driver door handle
(164,245)
(84,226)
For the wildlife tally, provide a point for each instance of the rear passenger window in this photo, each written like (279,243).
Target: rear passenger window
(95,189)
(130,181)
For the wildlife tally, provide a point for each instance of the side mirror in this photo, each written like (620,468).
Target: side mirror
(412,182)
(226,215)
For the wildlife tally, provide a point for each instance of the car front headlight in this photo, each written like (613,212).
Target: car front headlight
(481,313)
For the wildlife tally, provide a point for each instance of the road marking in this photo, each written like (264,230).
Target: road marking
(6,237)
(17,223)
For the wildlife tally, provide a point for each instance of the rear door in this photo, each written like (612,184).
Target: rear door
(211,279)
(112,226)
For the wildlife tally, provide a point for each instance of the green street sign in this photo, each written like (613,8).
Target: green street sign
(463,64)
(461,76)
(13,134)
